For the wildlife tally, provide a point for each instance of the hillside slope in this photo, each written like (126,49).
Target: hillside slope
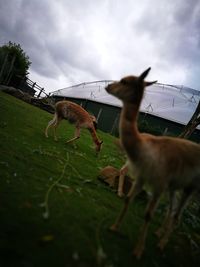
(55,212)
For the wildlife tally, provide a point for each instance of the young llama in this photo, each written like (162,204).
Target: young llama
(76,115)
(165,163)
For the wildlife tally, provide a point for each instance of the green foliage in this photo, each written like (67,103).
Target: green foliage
(55,212)
(14,64)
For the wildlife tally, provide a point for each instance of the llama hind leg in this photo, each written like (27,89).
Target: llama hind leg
(148,216)
(174,220)
(76,136)
(134,191)
(55,126)
(172,203)
(53,123)
(50,124)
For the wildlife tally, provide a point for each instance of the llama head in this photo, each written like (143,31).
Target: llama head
(98,146)
(130,89)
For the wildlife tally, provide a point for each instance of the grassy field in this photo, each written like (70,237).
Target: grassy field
(55,212)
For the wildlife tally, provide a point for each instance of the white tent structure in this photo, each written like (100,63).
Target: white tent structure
(174,103)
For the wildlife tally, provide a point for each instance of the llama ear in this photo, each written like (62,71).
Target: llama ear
(149,83)
(144,74)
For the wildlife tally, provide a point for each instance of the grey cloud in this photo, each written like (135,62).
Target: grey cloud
(104,39)
(175,28)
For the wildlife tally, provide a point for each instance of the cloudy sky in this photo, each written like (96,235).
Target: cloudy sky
(70,42)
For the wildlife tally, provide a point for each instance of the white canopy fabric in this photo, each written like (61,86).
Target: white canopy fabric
(175,103)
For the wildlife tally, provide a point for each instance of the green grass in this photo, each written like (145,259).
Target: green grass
(80,207)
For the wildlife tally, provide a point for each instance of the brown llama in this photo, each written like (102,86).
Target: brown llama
(76,115)
(165,163)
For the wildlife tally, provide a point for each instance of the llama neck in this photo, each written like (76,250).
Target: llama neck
(94,136)
(129,134)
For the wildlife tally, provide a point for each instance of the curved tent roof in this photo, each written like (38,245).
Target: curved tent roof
(175,103)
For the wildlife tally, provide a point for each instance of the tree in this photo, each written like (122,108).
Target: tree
(14,64)
(192,124)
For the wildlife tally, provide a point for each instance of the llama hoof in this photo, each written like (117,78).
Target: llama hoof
(137,253)
(113,228)
(68,142)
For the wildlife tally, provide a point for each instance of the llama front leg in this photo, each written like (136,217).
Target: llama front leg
(148,216)
(134,191)
(76,135)
(123,172)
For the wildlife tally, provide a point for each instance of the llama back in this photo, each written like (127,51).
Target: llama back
(73,113)
(175,162)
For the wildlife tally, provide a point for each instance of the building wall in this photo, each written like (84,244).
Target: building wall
(108,119)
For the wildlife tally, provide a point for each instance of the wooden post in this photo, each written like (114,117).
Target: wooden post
(99,114)
(115,124)
(33,85)
(40,92)
(192,124)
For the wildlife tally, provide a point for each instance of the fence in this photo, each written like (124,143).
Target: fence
(32,88)
(8,71)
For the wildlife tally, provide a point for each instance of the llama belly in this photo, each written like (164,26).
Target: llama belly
(72,120)
(133,169)
(86,125)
